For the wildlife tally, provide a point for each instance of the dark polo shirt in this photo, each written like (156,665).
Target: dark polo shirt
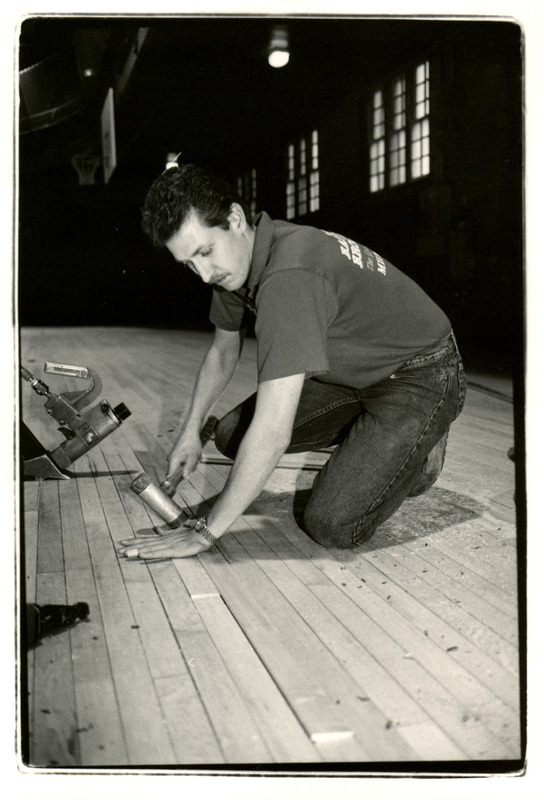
(329,307)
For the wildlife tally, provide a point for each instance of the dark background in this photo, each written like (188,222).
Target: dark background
(203,86)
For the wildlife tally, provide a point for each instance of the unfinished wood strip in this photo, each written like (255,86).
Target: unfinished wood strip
(338,747)
(497,563)
(502,599)
(494,619)
(74,541)
(50,555)
(53,725)
(434,616)
(30,541)
(368,633)
(162,651)
(209,705)
(376,684)
(195,578)
(279,728)
(192,735)
(158,639)
(319,690)
(237,733)
(386,621)
(492,643)
(179,608)
(145,731)
(462,725)
(99,730)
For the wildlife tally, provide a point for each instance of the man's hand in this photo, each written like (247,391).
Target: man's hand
(187,451)
(181,542)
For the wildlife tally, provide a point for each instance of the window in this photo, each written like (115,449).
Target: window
(247,189)
(377,148)
(400,112)
(420,159)
(302,187)
(397,146)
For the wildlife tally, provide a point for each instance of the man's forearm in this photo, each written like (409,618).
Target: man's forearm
(261,448)
(214,376)
(255,461)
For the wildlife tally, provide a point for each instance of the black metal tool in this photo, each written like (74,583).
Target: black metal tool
(84,421)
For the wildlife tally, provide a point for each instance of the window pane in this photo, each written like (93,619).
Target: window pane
(396,126)
(290,200)
(421,143)
(378,116)
(399,103)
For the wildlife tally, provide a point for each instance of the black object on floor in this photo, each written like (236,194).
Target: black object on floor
(50,619)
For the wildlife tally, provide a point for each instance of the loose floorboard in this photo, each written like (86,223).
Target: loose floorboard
(268,651)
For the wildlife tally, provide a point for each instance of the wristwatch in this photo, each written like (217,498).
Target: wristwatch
(201,527)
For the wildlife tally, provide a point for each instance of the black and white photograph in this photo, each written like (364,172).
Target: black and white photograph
(269,304)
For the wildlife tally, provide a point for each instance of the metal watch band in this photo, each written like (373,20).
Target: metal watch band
(201,527)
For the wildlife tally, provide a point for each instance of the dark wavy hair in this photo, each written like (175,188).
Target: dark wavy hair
(179,191)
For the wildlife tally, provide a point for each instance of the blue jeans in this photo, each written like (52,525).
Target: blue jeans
(391,441)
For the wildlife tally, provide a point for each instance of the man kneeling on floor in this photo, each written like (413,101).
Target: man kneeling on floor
(351,352)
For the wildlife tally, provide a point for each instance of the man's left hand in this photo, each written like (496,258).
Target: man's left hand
(181,542)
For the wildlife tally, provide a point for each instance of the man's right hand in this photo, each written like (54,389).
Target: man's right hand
(187,451)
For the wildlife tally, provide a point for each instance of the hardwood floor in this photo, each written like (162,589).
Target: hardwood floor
(268,649)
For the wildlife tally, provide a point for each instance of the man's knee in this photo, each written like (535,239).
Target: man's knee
(329,531)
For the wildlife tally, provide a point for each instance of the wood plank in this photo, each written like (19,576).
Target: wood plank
(192,735)
(290,627)
(29,551)
(237,734)
(99,729)
(54,740)
(74,542)
(502,624)
(377,684)
(443,622)
(502,731)
(279,728)
(462,723)
(462,620)
(50,554)
(384,621)
(320,691)
(146,735)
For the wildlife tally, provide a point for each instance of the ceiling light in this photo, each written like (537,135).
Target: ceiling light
(278,49)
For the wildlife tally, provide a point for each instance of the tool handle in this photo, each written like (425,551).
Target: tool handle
(170,483)
(70,370)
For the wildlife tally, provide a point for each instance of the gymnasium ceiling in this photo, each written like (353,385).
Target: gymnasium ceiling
(201,85)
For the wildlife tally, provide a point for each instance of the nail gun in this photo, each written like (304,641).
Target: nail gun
(82,429)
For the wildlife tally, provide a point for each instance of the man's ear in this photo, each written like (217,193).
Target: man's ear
(237,218)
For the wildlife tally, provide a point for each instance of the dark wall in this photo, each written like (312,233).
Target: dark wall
(458,232)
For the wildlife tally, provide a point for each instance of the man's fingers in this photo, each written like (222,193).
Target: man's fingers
(190,463)
(179,544)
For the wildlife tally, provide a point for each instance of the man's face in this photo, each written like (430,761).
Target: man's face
(217,256)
